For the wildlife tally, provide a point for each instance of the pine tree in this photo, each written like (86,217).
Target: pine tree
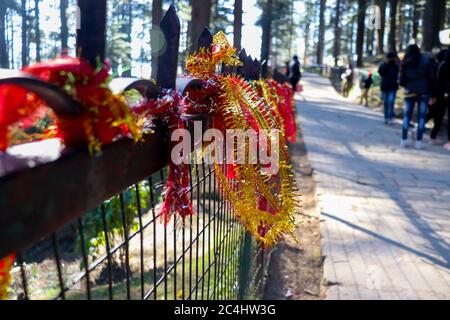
(201,16)
(381,31)
(237,24)
(24,14)
(321,41)
(393,25)
(337,31)
(37,30)
(362,5)
(156,20)
(4,6)
(434,17)
(63,4)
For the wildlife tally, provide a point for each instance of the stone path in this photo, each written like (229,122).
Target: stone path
(385,211)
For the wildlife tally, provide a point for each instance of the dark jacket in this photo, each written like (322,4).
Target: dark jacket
(389,76)
(419,79)
(443,78)
(295,73)
(366,82)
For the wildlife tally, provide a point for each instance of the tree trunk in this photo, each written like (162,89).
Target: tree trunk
(64,28)
(349,43)
(155,41)
(360,33)
(23,11)
(38,32)
(201,17)
(11,24)
(401,25)
(237,25)
(434,18)
(337,32)
(307,32)
(380,32)
(4,59)
(266,37)
(128,29)
(321,41)
(393,26)
(416,20)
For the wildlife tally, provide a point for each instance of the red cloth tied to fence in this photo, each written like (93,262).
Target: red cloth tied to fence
(170,107)
(104,116)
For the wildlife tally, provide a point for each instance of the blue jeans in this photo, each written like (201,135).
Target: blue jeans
(389,102)
(422,101)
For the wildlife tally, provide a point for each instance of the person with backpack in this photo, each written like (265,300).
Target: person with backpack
(443,87)
(366,84)
(417,76)
(388,71)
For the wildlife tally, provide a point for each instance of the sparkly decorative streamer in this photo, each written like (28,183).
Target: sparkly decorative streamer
(6,265)
(170,108)
(264,203)
(280,99)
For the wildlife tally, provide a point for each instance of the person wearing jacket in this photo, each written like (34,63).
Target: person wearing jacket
(437,111)
(294,73)
(389,85)
(366,84)
(417,76)
(443,87)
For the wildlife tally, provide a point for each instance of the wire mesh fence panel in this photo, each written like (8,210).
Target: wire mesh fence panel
(123,250)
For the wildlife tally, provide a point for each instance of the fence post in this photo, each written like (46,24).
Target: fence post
(168,62)
(244,266)
(91,37)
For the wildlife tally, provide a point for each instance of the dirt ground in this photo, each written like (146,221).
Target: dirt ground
(296,269)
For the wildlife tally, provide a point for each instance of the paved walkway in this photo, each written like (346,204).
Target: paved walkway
(385,211)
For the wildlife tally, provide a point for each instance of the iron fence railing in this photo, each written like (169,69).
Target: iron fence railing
(199,258)
(88,228)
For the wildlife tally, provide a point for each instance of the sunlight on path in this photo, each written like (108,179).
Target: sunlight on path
(385,210)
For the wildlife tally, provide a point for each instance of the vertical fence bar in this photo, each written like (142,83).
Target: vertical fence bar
(23,276)
(85,258)
(141,238)
(127,244)
(58,265)
(108,251)
(91,37)
(152,203)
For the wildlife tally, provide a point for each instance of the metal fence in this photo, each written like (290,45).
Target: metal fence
(120,249)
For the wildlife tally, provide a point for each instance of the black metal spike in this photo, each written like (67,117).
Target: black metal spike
(168,61)
(205,40)
(257,69)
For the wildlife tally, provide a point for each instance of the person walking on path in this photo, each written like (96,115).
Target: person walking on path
(417,76)
(437,110)
(294,73)
(388,71)
(347,78)
(366,84)
(443,80)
